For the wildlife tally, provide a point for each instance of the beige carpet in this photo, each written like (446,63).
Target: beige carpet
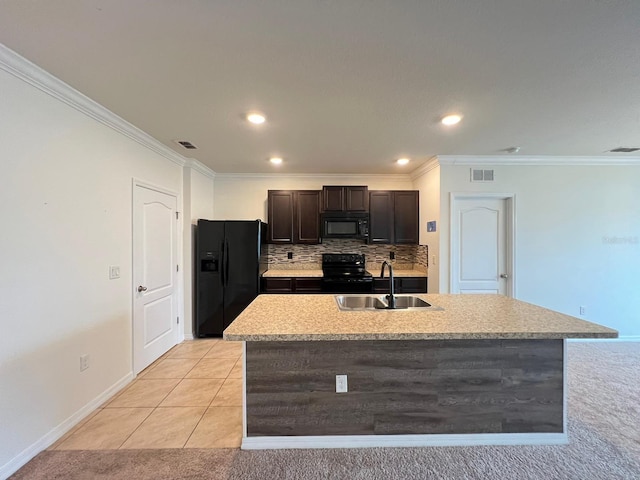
(604,429)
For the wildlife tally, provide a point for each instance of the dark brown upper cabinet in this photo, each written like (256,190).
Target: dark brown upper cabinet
(337,198)
(306,216)
(406,206)
(280,216)
(394,216)
(380,217)
(293,216)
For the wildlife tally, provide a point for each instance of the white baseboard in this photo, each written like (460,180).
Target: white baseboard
(430,440)
(624,338)
(189,336)
(53,435)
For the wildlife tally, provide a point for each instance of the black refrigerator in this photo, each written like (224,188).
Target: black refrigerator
(230,258)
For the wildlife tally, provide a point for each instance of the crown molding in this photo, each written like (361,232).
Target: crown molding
(199,167)
(395,176)
(30,73)
(426,167)
(539,160)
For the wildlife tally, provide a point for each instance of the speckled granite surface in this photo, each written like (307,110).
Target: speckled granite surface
(304,272)
(317,317)
(292,273)
(399,273)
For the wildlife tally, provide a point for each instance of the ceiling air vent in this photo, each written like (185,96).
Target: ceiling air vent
(625,149)
(478,175)
(186,144)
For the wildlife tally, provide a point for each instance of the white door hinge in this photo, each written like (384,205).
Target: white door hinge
(177,268)
(177,319)
(177,215)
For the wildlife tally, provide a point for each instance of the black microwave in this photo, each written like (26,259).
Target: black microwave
(345,225)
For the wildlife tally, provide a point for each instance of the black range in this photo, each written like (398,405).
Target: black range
(345,273)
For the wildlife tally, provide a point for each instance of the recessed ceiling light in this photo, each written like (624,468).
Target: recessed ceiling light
(256,118)
(402,161)
(276,160)
(451,119)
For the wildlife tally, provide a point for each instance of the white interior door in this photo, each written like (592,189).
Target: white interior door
(155,305)
(480,246)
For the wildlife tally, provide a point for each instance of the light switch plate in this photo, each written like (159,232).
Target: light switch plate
(84,362)
(114,272)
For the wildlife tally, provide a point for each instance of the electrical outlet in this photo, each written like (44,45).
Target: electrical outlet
(341,384)
(289,255)
(392,255)
(433,260)
(84,362)
(114,272)
(583,310)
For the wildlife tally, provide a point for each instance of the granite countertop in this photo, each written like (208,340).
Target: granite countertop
(318,273)
(317,317)
(399,273)
(293,273)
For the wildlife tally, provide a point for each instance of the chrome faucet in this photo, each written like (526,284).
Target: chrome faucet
(391,299)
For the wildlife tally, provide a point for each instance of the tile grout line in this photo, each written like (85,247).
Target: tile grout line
(209,406)
(135,429)
(206,408)
(154,408)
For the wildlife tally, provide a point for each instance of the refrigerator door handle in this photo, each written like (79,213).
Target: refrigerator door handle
(226,264)
(222,262)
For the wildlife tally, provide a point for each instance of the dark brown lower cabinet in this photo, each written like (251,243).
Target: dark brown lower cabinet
(307,285)
(291,285)
(314,285)
(401,285)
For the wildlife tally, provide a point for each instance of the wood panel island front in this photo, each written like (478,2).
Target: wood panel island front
(483,369)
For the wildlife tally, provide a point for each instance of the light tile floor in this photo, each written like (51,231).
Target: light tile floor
(191,397)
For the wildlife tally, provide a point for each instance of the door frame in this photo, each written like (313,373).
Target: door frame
(510,226)
(178,292)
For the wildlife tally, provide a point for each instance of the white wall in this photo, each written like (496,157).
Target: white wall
(198,203)
(565,219)
(244,197)
(65,205)
(428,184)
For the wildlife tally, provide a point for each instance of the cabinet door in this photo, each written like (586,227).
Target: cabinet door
(277,285)
(405,211)
(357,199)
(381,285)
(412,285)
(280,216)
(308,285)
(401,285)
(380,217)
(333,199)
(307,216)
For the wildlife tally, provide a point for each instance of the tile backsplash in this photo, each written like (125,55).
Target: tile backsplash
(310,256)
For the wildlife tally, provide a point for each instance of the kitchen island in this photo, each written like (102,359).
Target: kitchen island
(484,369)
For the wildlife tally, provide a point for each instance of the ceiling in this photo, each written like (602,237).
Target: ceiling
(348,86)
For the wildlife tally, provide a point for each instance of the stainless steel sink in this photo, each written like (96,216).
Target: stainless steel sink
(359,302)
(411,302)
(379,302)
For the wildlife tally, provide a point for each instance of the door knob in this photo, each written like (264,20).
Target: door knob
(142,289)
(504,275)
